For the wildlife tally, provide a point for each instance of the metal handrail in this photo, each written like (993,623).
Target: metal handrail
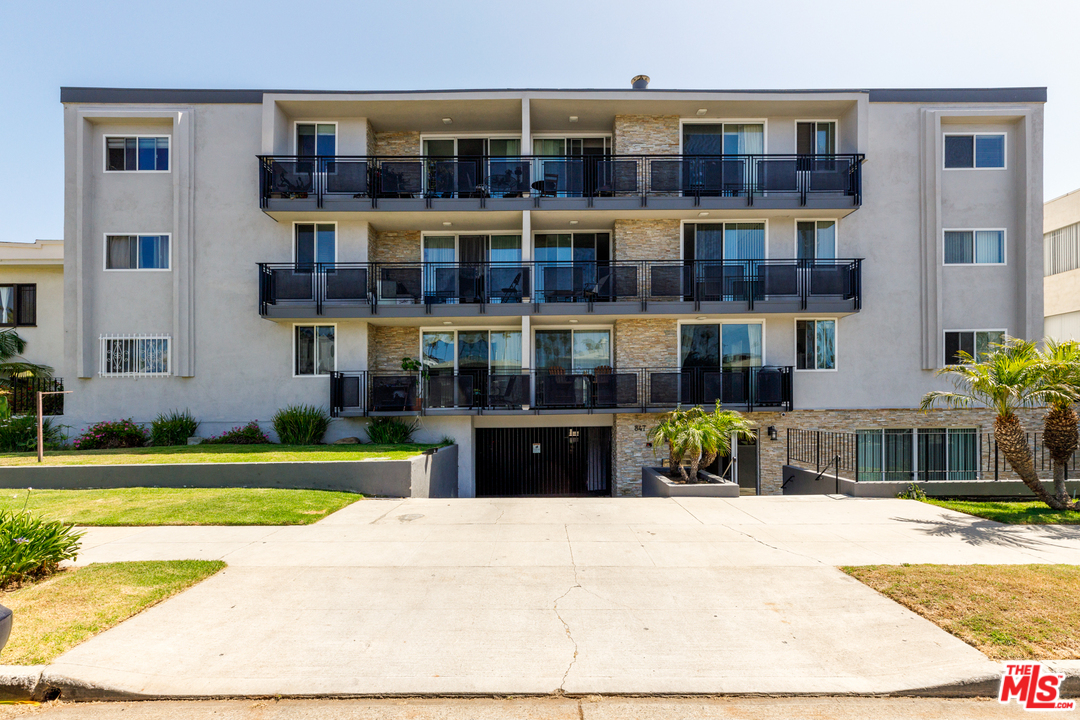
(747,282)
(604,389)
(482,177)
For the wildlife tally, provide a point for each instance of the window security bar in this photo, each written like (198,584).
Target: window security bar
(134,355)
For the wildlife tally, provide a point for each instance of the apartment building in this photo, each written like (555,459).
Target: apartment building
(1061,287)
(564,264)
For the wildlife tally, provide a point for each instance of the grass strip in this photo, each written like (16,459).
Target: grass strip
(217,454)
(1009,612)
(1013,513)
(55,615)
(180,506)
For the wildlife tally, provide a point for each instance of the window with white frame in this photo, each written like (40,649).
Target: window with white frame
(136,252)
(137,153)
(974,247)
(974,150)
(313,349)
(134,356)
(964,345)
(918,455)
(815,344)
(815,240)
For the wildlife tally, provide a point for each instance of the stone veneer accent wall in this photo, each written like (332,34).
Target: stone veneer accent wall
(631,453)
(646,343)
(394,246)
(647,134)
(388,344)
(406,142)
(647,239)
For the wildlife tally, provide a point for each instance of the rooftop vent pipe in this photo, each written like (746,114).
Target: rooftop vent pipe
(640,82)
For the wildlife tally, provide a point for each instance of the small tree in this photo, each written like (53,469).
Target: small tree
(1011,377)
(697,437)
(1061,366)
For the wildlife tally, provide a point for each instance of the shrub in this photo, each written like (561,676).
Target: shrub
(19,434)
(391,430)
(173,428)
(250,434)
(112,434)
(301,424)
(31,547)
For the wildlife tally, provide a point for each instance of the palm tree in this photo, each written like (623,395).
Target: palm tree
(1061,366)
(727,424)
(11,347)
(1009,378)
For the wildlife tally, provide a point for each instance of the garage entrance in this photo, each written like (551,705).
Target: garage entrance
(539,461)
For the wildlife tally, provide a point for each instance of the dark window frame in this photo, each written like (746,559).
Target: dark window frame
(972,152)
(966,341)
(17,291)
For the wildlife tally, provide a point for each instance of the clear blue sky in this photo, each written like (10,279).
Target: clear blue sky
(358,45)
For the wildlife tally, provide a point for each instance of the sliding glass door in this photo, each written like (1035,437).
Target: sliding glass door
(459,363)
(566,264)
(722,253)
(719,361)
(472,268)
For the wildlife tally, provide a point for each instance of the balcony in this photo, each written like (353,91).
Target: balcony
(613,182)
(621,287)
(605,390)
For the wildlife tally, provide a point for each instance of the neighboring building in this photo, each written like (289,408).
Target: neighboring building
(32,298)
(1061,243)
(568,264)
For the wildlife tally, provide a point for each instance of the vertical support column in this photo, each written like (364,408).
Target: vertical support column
(526,127)
(527,355)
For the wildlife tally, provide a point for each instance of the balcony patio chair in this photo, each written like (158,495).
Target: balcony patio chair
(512,292)
(549,186)
(293,184)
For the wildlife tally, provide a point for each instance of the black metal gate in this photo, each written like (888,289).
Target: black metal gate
(543,461)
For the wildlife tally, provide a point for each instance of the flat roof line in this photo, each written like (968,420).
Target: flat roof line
(219,96)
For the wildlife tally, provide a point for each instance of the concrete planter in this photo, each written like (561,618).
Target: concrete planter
(655,483)
(428,475)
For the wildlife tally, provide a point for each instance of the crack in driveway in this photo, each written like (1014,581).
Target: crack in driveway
(566,626)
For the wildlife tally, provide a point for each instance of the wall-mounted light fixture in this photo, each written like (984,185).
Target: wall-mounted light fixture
(772,432)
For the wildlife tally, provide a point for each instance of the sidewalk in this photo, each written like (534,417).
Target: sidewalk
(524,596)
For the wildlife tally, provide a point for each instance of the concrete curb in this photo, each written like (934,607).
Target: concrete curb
(37,683)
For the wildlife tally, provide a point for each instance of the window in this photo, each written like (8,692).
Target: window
(815,344)
(315,243)
(816,240)
(316,139)
(974,247)
(314,349)
(573,351)
(974,343)
(975,150)
(144,154)
(136,252)
(18,305)
(815,138)
(134,356)
(471,350)
(919,455)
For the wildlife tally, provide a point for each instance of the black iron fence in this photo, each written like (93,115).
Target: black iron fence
(912,455)
(570,176)
(23,397)
(788,284)
(602,389)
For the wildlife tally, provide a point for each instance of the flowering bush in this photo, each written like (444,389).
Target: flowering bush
(112,434)
(250,434)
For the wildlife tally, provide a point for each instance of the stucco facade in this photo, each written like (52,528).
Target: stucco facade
(233,355)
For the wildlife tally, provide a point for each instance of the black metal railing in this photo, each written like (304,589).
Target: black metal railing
(601,389)
(23,397)
(926,455)
(569,176)
(753,283)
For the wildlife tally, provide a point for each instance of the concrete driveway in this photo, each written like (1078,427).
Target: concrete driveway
(521,596)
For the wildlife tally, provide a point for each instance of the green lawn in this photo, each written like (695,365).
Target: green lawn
(1014,513)
(217,454)
(1009,612)
(180,506)
(57,614)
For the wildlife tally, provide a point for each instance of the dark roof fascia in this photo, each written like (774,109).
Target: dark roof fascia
(139,96)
